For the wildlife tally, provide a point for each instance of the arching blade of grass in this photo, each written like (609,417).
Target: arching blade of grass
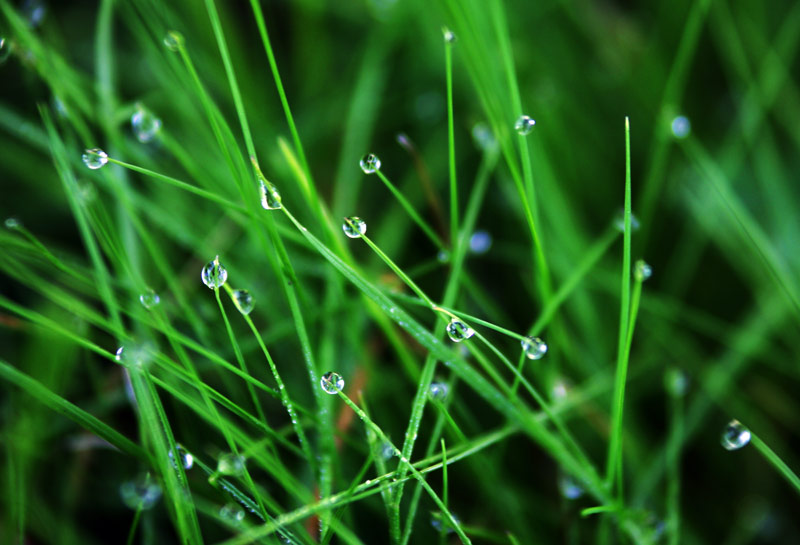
(780,466)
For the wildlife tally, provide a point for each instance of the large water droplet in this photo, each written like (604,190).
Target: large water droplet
(185,457)
(681,127)
(480,242)
(145,125)
(231,464)
(135,354)
(5,49)
(675,382)
(332,383)
(370,163)
(619,222)
(94,158)
(449,36)
(140,493)
(524,125)
(13,223)
(569,487)
(270,197)
(354,226)
(232,512)
(459,331)
(438,390)
(244,301)
(213,274)
(642,271)
(149,298)
(173,40)
(735,435)
(533,347)
(33,12)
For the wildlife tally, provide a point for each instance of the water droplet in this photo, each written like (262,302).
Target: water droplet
(480,242)
(140,493)
(560,390)
(232,512)
(735,435)
(642,271)
(244,301)
(370,163)
(270,197)
(332,383)
(135,354)
(569,487)
(354,227)
(94,158)
(12,223)
(86,193)
(33,11)
(59,107)
(231,464)
(443,256)
(5,49)
(185,457)
(387,451)
(118,354)
(619,222)
(145,125)
(449,36)
(675,382)
(524,125)
(213,274)
(459,331)
(149,298)
(173,40)
(440,520)
(681,127)
(483,137)
(438,390)
(534,347)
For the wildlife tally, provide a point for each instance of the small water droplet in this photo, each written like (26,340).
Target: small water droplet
(244,301)
(145,125)
(135,354)
(449,36)
(231,464)
(438,390)
(94,158)
(524,125)
(560,390)
(642,271)
(480,242)
(387,451)
(270,197)
(569,487)
(681,127)
(140,493)
(440,521)
(675,382)
(443,256)
(213,274)
(533,347)
(619,222)
(232,512)
(734,436)
(59,107)
(354,227)
(5,49)
(149,298)
(12,223)
(173,40)
(185,457)
(483,137)
(33,11)
(459,331)
(370,163)
(332,383)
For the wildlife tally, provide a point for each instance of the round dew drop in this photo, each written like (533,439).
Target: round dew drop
(569,487)
(94,158)
(449,36)
(438,390)
(480,242)
(213,274)
(173,40)
(642,271)
(370,163)
(140,493)
(231,464)
(681,127)
(145,125)
(354,227)
(244,301)
(619,222)
(734,436)
(232,512)
(332,383)
(184,456)
(675,382)
(524,125)
(12,223)
(149,299)
(270,197)
(459,331)
(534,348)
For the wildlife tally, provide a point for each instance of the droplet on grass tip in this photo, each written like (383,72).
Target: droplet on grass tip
(734,436)
(354,227)
(140,493)
(681,127)
(370,163)
(480,242)
(270,197)
(213,274)
(332,383)
(232,512)
(524,125)
(33,12)
(569,487)
(149,299)
(184,456)
(449,36)
(642,271)
(244,301)
(675,382)
(438,390)
(459,331)
(5,49)
(619,222)
(94,158)
(145,125)
(12,223)
(173,40)
(231,464)
(533,347)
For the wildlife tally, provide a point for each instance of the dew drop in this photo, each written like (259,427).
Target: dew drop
(231,464)
(244,301)
(370,163)
(140,493)
(642,271)
(270,197)
(354,227)
(524,125)
(459,331)
(438,390)
(135,354)
(483,137)
(332,383)
(681,127)
(145,125)
(185,457)
(213,274)
(33,11)
(173,40)
(60,108)
(449,36)
(94,158)
(149,299)
(443,256)
(675,382)
(387,451)
(232,512)
(5,49)
(619,222)
(12,223)
(734,436)
(480,242)
(441,521)
(118,354)
(569,487)
(533,347)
